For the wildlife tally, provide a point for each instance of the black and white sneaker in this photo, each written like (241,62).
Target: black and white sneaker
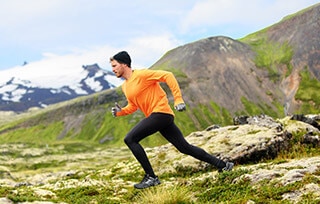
(228,167)
(147,182)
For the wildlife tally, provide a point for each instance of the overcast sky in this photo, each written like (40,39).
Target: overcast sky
(90,31)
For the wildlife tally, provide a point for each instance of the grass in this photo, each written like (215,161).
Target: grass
(251,108)
(308,93)
(163,195)
(223,188)
(271,55)
(90,194)
(40,133)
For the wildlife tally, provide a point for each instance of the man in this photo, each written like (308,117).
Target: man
(143,91)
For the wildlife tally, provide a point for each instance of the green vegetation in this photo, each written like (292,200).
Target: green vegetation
(270,55)
(308,93)
(40,133)
(251,108)
(206,115)
(164,195)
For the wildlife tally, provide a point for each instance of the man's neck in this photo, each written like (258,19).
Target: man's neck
(127,74)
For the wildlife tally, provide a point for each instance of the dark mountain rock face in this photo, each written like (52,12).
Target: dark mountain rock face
(301,31)
(220,69)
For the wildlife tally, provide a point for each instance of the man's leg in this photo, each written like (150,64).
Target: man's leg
(175,137)
(143,129)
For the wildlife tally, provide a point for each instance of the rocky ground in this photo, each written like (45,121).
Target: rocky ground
(250,146)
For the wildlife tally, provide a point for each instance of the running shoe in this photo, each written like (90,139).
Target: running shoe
(147,182)
(228,167)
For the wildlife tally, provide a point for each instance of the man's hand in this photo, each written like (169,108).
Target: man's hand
(180,107)
(115,109)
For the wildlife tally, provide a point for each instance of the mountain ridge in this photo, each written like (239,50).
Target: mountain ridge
(215,62)
(19,93)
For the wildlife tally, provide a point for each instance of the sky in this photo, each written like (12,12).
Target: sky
(57,35)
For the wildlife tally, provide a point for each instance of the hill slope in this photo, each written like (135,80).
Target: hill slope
(222,70)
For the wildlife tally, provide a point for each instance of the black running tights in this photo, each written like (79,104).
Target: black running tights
(164,123)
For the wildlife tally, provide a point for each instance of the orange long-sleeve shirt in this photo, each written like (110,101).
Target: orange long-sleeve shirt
(144,92)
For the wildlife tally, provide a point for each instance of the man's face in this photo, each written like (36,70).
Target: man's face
(117,68)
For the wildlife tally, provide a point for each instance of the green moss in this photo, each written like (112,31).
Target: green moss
(223,188)
(18,195)
(253,132)
(308,93)
(84,195)
(270,54)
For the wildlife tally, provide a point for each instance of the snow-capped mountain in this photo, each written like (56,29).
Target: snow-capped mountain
(29,86)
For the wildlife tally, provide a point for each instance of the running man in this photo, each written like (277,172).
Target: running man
(143,91)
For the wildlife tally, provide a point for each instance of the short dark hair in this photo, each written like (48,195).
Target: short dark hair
(122,57)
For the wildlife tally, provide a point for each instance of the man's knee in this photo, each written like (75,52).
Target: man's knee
(128,140)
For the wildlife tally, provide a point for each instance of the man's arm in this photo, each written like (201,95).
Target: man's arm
(170,80)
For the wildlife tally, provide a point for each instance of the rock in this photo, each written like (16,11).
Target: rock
(287,173)
(311,138)
(307,119)
(240,120)
(42,193)
(260,120)
(5,201)
(312,188)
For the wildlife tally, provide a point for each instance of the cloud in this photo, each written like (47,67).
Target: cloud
(17,13)
(144,51)
(261,13)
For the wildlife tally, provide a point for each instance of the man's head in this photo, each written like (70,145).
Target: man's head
(122,57)
(121,64)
